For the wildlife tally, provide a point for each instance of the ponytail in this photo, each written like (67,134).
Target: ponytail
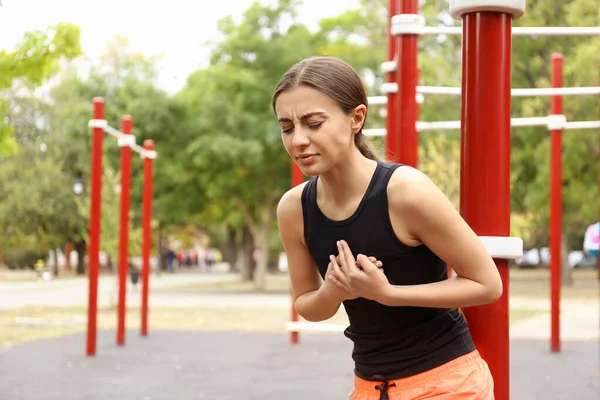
(363,144)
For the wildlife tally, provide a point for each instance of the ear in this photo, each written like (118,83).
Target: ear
(358,118)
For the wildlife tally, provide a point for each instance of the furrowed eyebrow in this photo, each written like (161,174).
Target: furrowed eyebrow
(304,117)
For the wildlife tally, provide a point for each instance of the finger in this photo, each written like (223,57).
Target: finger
(342,260)
(348,256)
(336,281)
(366,264)
(338,272)
(375,261)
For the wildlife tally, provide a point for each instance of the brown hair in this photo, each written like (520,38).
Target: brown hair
(338,80)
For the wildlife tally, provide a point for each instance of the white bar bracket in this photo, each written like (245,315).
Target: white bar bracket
(388,87)
(458,8)
(126,140)
(389,66)
(408,24)
(97,123)
(556,122)
(149,154)
(503,247)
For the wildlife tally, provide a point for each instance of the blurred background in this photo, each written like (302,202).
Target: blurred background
(197,78)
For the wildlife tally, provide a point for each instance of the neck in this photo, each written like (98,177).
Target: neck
(347,179)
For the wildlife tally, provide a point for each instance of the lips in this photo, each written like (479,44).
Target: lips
(305,156)
(306,159)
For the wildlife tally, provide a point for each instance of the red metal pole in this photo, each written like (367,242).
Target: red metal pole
(147,230)
(297,179)
(95,226)
(124,225)
(392,139)
(556,207)
(485,169)
(418,100)
(407,78)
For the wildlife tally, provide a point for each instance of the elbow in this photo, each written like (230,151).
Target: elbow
(311,314)
(307,316)
(494,292)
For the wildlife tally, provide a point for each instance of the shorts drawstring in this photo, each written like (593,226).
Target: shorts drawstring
(383,388)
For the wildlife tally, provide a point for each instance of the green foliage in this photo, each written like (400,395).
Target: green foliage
(35,59)
(36,208)
(234,165)
(531,146)
(221,164)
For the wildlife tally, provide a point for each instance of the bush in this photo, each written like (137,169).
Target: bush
(23,258)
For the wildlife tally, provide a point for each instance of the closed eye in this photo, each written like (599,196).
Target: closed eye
(311,126)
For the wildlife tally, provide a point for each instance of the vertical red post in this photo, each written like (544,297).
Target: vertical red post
(556,207)
(94,227)
(485,169)
(149,156)
(297,179)
(125,145)
(407,73)
(392,140)
(419,99)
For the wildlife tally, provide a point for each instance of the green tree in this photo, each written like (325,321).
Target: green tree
(37,211)
(126,81)
(34,60)
(234,170)
(531,146)
(236,159)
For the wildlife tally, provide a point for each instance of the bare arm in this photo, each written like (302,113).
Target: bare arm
(430,218)
(313,300)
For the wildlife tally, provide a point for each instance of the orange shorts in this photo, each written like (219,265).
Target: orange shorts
(467,377)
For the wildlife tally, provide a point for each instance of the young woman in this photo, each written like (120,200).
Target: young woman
(377,237)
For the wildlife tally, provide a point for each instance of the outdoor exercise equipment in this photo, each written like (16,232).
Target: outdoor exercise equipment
(556,123)
(126,142)
(485,158)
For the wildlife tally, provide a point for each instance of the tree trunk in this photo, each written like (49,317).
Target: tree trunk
(161,251)
(244,255)
(566,276)
(230,250)
(262,244)
(261,239)
(55,258)
(80,248)
(67,251)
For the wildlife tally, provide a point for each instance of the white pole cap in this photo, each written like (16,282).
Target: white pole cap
(458,8)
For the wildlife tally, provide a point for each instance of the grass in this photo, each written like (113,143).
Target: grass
(29,275)
(535,284)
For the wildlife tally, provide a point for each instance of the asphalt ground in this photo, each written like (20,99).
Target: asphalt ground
(181,365)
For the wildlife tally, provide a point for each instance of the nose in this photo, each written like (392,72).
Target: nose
(300,138)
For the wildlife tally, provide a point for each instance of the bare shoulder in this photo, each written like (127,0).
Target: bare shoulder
(410,188)
(289,207)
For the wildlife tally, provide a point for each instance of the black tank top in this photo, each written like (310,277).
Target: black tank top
(393,342)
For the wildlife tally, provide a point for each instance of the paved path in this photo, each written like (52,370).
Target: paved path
(580,320)
(74,291)
(171,365)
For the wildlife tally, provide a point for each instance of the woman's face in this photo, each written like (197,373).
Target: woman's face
(315,131)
